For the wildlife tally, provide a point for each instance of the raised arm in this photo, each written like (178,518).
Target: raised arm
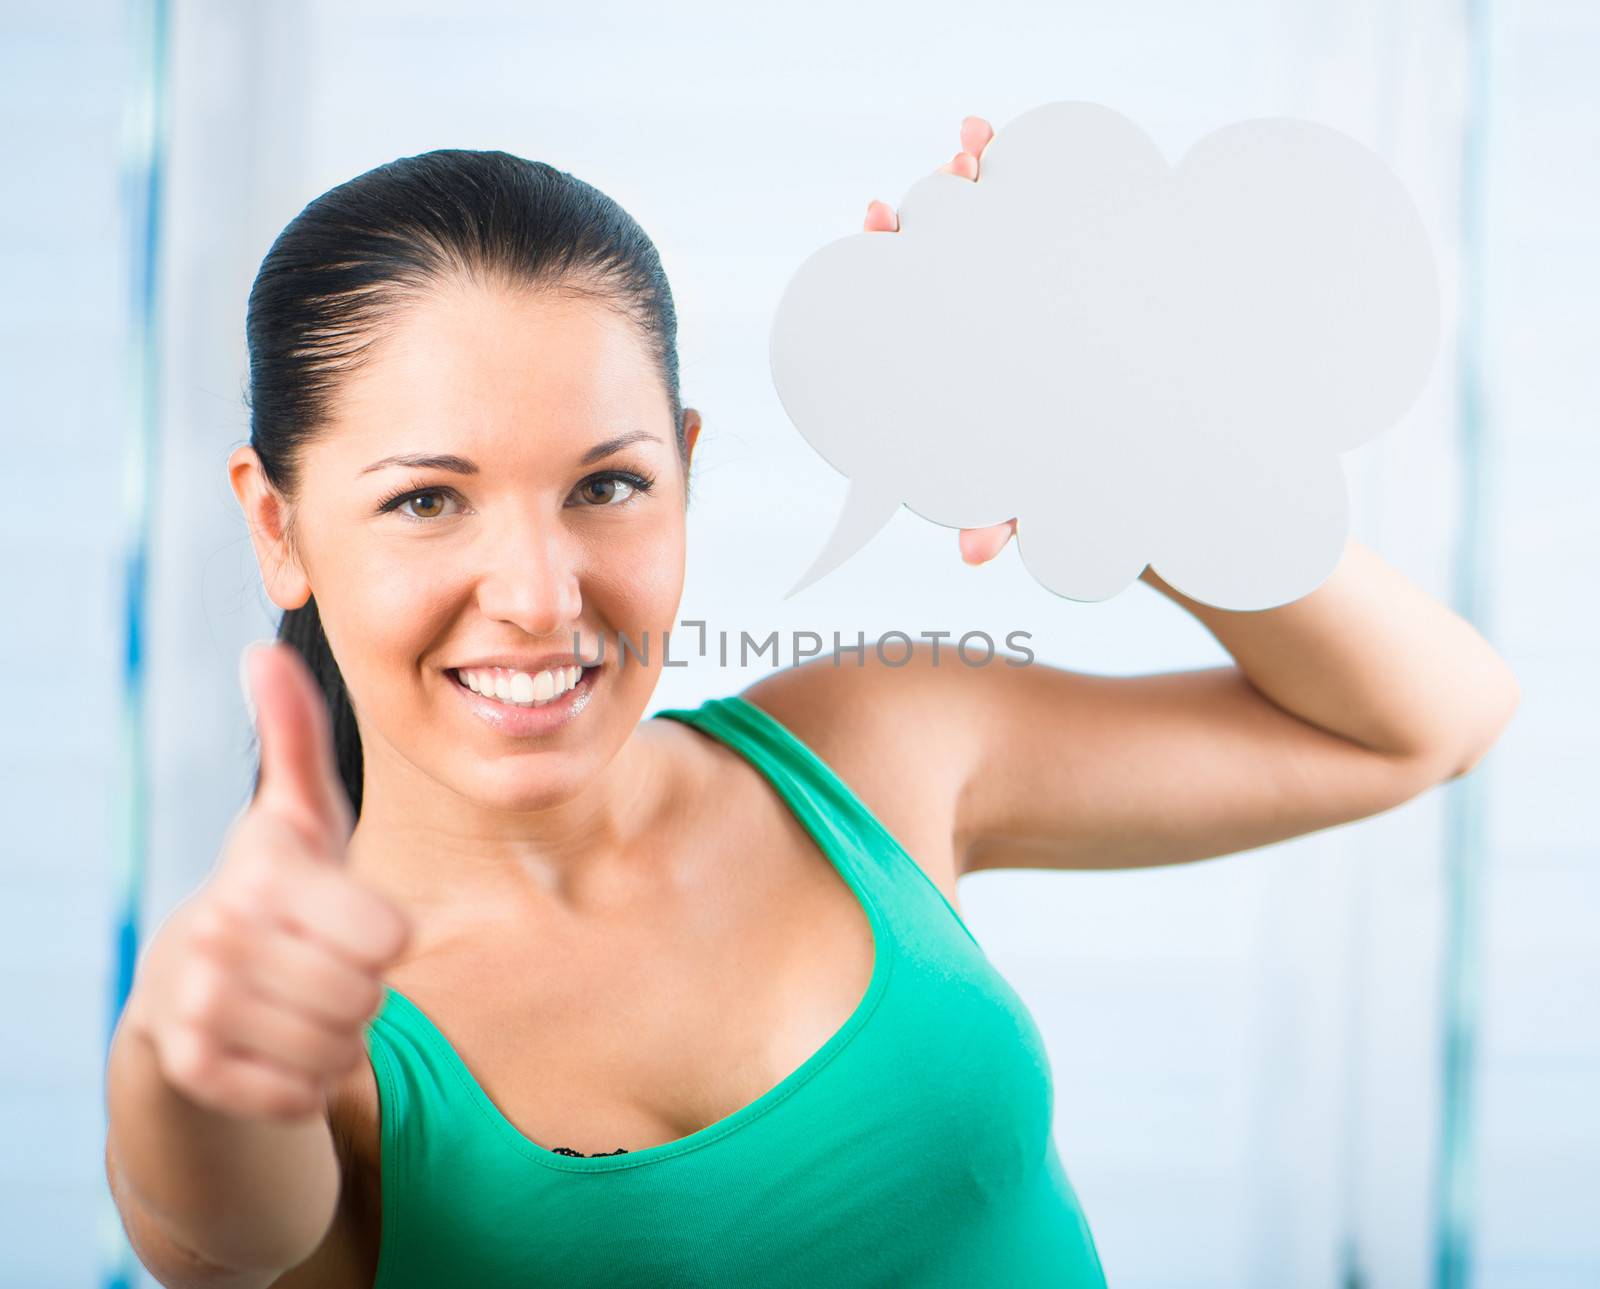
(247,1009)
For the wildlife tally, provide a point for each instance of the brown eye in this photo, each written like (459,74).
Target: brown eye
(602,490)
(426,503)
(423,510)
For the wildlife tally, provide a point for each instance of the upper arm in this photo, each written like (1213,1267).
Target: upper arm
(1073,770)
(1032,766)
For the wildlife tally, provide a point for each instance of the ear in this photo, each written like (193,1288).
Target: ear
(691,431)
(265,512)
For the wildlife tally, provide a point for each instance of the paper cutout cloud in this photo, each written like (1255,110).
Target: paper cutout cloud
(1144,364)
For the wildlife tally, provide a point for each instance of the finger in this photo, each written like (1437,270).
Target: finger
(291,970)
(980,545)
(975,136)
(284,1037)
(881,218)
(282,886)
(299,774)
(323,904)
(963,165)
(211,1077)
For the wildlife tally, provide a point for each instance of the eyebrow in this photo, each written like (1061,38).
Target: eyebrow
(462,465)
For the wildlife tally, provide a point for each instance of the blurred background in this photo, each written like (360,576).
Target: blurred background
(1365,1058)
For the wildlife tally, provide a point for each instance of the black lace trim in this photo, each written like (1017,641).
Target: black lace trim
(578,1154)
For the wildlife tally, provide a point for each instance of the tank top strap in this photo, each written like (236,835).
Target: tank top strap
(420,1080)
(825,803)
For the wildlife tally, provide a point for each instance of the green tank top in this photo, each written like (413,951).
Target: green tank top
(914,1148)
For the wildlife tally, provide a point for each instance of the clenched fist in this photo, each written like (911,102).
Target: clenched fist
(256,990)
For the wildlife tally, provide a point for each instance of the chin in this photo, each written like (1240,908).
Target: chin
(520,784)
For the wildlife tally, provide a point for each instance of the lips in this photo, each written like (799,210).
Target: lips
(526,720)
(522,662)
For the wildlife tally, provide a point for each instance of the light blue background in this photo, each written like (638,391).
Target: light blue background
(1247,1051)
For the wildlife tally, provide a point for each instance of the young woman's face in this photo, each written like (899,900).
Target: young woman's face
(536,533)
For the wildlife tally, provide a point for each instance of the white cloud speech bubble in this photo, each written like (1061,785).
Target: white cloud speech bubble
(1144,364)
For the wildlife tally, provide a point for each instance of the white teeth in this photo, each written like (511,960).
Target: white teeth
(519,688)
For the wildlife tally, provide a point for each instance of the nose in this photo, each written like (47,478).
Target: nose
(531,578)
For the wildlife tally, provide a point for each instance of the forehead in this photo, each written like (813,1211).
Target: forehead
(480,360)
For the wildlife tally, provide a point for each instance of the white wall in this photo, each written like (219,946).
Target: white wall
(1538,1130)
(62,411)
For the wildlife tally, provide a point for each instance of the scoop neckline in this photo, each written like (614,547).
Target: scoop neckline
(882,964)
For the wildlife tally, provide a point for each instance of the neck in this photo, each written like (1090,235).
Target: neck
(456,864)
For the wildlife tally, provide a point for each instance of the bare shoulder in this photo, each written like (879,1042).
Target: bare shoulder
(881,729)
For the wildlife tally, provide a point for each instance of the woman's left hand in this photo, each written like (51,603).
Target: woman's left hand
(978,545)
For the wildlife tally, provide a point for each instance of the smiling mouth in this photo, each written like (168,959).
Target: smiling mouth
(518,689)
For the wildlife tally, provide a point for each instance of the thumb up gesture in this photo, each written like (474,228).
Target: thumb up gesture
(256,991)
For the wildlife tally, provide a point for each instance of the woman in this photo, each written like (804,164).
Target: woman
(495,984)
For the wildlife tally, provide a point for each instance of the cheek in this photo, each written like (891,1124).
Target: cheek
(637,581)
(391,605)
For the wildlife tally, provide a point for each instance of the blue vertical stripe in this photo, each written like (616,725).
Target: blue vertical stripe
(143,166)
(1465,859)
